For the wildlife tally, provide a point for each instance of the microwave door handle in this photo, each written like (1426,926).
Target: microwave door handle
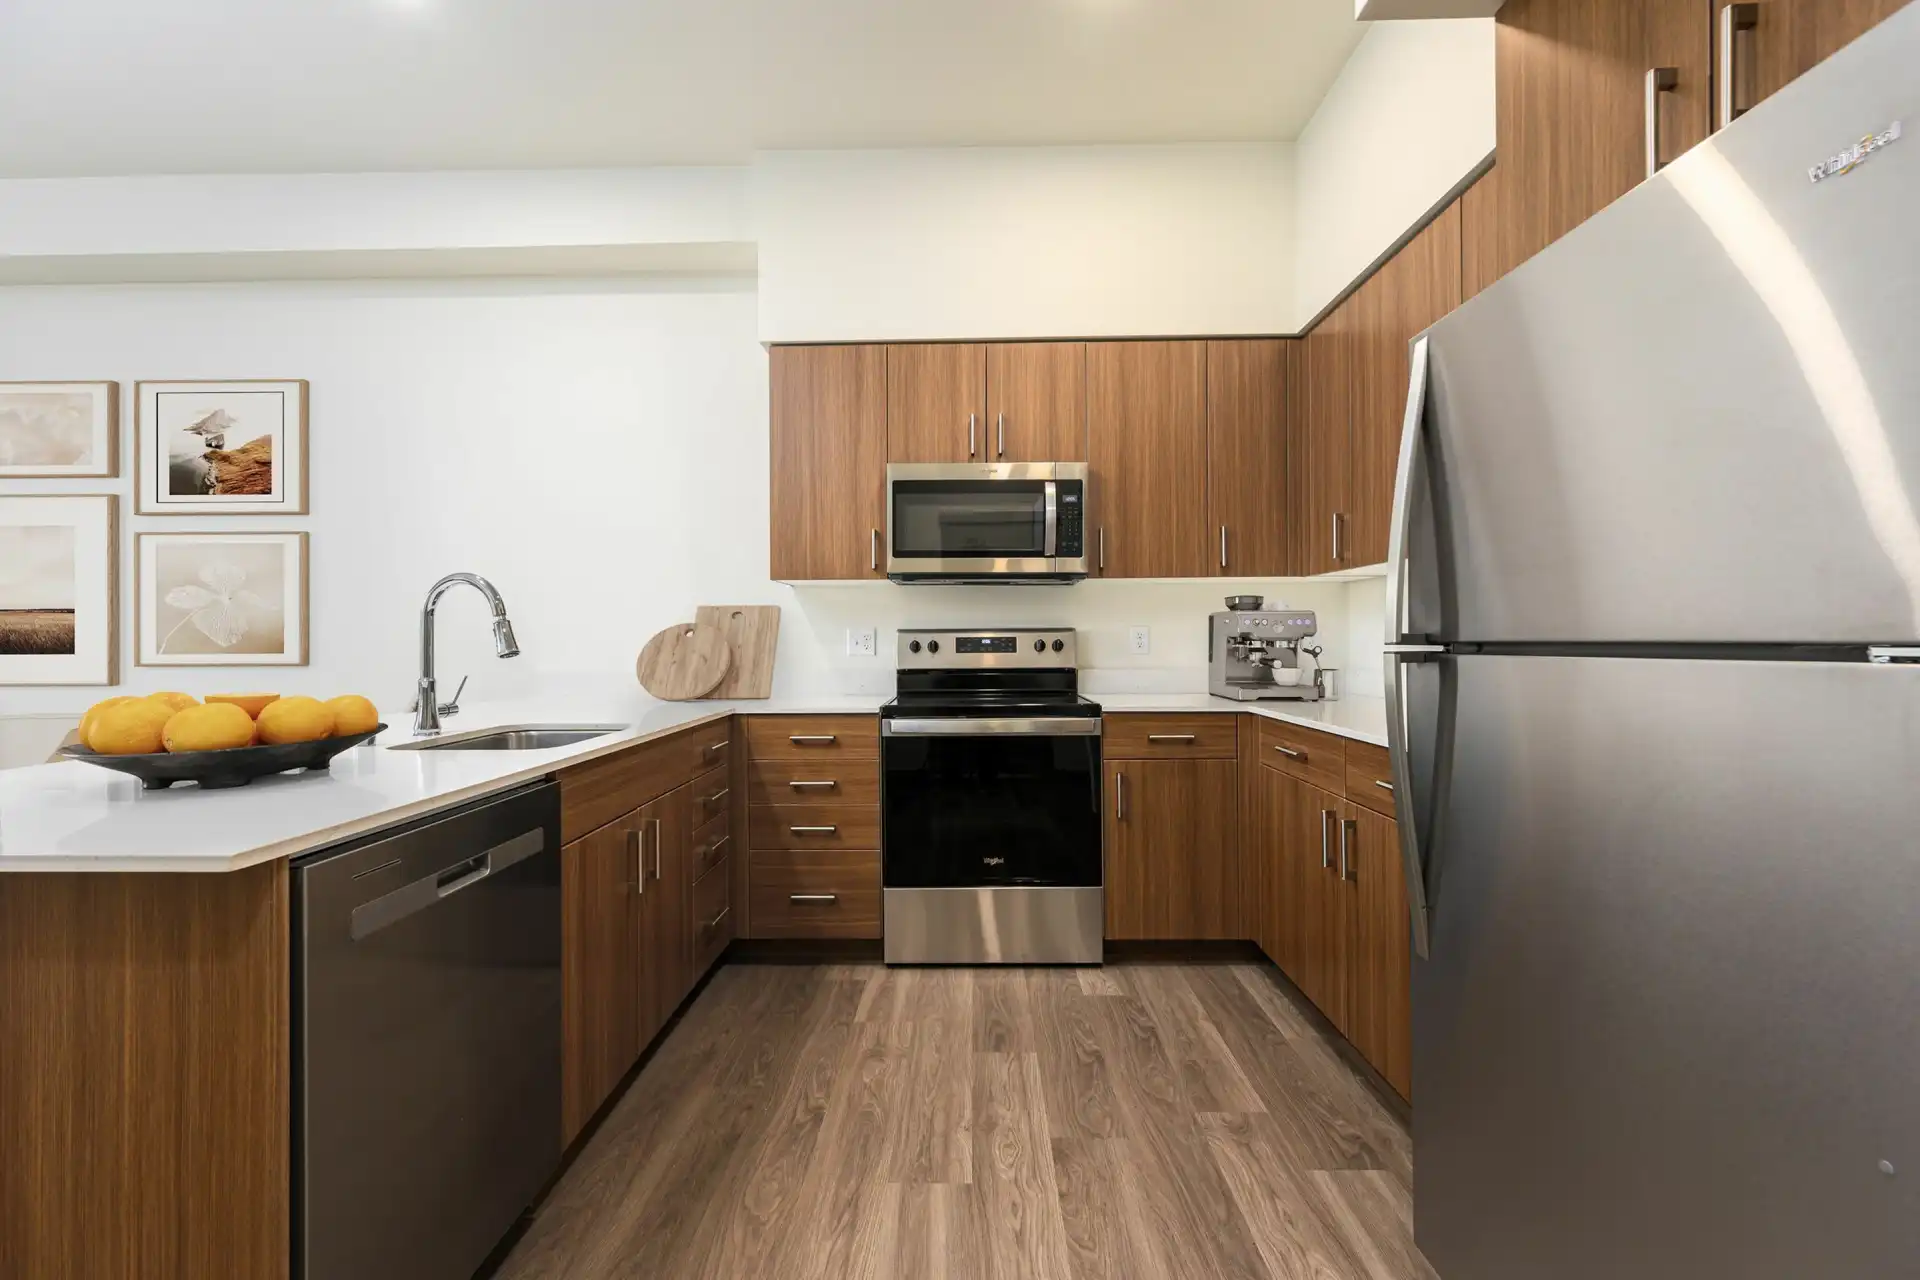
(1052,547)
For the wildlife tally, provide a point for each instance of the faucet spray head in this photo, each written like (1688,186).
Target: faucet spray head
(503,642)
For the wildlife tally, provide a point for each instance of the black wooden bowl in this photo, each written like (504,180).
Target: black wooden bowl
(232,767)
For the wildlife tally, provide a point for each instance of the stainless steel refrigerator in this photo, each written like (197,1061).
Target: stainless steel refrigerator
(1656,718)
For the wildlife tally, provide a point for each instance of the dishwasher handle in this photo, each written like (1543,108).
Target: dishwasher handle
(370,918)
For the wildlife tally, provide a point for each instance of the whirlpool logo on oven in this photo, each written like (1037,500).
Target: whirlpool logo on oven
(995,862)
(1850,159)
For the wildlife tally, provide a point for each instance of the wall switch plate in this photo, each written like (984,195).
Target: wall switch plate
(1140,639)
(862,643)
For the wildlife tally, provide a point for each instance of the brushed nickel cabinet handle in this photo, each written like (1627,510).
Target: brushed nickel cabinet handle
(813,897)
(714,923)
(713,847)
(636,849)
(1290,753)
(1170,737)
(970,446)
(1326,850)
(1734,19)
(1336,535)
(712,747)
(656,848)
(813,784)
(1347,827)
(1383,785)
(1659,80)
(1000,431)
(1223,546)
(1119,797)
(813,739)
(714,799)
(1103,548)
(813,831)
(875,562)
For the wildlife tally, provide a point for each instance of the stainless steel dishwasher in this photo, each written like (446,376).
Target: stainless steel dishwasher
(426,972)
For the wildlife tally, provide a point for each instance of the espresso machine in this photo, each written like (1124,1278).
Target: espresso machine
(1254,652)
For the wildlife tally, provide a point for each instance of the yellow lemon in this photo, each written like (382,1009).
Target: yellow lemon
(353,714)
(214,727)
(130,729)
(299,719)
(175,701)
(93,712)
(251,703)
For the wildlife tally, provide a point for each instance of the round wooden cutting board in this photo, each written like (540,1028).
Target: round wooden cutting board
(688,660)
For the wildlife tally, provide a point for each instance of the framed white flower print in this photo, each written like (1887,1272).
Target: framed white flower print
(222,599)
(220,448)
(52,430)
(59,589)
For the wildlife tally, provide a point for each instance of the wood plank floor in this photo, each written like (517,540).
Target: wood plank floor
(1134,1122)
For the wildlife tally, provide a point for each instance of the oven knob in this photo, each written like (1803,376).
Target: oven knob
(1039,646)
(914,647)
(1058,645)
(933,646)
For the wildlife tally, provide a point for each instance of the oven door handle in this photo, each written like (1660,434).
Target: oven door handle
(1051,547)
(961,727)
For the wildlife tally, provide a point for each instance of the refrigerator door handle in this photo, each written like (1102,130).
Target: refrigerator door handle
(1410,473)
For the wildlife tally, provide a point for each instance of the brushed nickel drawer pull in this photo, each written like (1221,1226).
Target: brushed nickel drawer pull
(714,923)
(714,799)
(813,897)
(1326,856)
(1347,828)
(713,847)
(636,846)
(1384,786)
(802,784)
(813,831)
(813,739)
(656,848)
(713,747)
(1170,737)
(1290,753)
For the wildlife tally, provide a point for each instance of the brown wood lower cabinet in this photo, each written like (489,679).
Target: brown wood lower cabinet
(1172,849)
(813,827)
(599,972)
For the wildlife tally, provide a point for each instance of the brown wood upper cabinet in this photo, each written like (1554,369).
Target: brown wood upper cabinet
(1036,402)
(937,402)
(1247,455)
(828,501)
(1147,450)
(1776,40)
(1319,443)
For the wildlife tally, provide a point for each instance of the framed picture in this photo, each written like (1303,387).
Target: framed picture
(220,448)
(222,599)
(59,589)
(56,430)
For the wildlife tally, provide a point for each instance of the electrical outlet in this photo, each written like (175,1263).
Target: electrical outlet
(862,643)
(1141,639)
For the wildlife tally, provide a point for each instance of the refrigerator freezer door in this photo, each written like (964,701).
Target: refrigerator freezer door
(1697,416)
(1669,1023)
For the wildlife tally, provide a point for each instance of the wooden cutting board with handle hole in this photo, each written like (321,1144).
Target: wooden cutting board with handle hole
(684,662)
(753,632)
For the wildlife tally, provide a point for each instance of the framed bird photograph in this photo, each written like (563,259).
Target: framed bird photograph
(220,448)
(221,599)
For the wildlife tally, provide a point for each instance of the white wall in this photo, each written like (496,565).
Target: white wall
(597,449)
(1409,117)
(1019,242)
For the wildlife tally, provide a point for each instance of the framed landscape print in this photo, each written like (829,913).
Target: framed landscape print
(59,589)
(222,599)
(220,448)
(57,430)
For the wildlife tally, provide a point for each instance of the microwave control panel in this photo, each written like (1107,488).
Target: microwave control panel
(1070,527)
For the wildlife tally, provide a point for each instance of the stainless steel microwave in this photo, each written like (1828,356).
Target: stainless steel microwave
(987,521)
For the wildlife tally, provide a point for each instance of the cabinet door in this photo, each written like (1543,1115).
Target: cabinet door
(1247,456)
(936,402)
(1281,850)
(1382,954)
(1314,877)
(665,946)
(1790,37)
(600,1007)
(1147,447)
(1171,865)
(1414,290)
(828,498)
(1318,444)
(1036,402)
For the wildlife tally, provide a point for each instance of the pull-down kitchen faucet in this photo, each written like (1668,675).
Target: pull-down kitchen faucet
(427,709)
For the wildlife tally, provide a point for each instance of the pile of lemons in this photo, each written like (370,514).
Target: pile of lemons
(130,726)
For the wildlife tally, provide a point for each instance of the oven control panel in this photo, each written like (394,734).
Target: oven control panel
(1011,647)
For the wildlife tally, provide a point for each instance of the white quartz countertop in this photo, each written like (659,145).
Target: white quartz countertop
(79,817)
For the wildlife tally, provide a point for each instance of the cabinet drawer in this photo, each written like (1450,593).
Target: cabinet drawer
(712,917)
(708,795)
(1206,735)
(841,781)
(1307,754)
(813,738)
(712,842)
(815,826)
(1370,777)
(816,894)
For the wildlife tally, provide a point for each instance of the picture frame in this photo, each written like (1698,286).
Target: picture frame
(59,430)
(236,447)
(59,589)
(221,599)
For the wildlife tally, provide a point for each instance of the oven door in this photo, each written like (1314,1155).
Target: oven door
(976,803)
(971,522)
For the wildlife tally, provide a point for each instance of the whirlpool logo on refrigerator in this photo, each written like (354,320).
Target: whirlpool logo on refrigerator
(1852,158)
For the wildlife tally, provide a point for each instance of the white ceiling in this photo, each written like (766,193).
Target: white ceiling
(206,86)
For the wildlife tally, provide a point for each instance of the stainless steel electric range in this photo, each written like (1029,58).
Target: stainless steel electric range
(990,802)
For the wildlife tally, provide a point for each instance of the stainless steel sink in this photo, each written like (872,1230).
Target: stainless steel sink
(513,737)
